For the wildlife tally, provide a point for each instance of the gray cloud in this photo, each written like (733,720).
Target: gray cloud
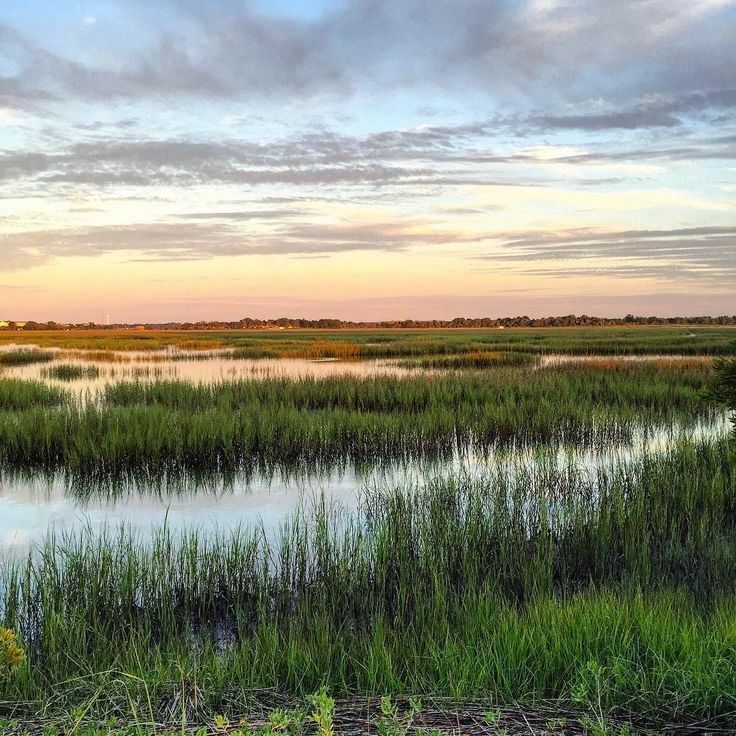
(663,272)
(511,50)
(699,253)
(382,235)
(240,216)
(431,155)
(311,159)
(663,112)
(624,119)
(201,238)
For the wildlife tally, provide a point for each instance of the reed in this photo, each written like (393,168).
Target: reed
(607,589)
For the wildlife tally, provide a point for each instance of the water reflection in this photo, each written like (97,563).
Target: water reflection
(32,504)
(202,366)
(194,366)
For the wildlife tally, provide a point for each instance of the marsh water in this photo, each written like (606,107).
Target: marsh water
(33,506)
(178,365)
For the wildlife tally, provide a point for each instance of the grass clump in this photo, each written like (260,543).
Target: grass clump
(17,395)
(606,590)
(724,389)
(24,357)
(474,360)
(71,372)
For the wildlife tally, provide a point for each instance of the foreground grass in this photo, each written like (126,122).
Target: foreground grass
(262,424)
(613,591)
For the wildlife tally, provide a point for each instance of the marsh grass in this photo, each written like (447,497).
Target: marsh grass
(70,372)
(472,360)
(238,425)
(543,583)
(17,396)
(387,343)
(25,357)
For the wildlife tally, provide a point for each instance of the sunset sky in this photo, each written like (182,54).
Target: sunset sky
(366,159)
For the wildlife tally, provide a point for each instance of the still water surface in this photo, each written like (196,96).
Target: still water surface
(199,367)
(215,366)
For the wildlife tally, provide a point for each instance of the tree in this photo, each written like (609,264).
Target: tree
(725,386)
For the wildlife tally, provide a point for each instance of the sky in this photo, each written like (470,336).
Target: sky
(366,159)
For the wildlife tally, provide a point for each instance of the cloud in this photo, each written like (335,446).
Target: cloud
(706,253)
(239,216)
(304,160)
(661,112)
(511,51)
(437,154)
(625,119)
(204,236)
(601,85)
(378,235)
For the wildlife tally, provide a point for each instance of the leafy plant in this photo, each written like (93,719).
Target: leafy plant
(323,712)
(393,722)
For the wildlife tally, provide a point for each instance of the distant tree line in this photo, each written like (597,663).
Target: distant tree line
(248,323)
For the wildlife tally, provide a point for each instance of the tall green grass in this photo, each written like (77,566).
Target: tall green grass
(612,588)
(518,586)
(17,396)
(236,425)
